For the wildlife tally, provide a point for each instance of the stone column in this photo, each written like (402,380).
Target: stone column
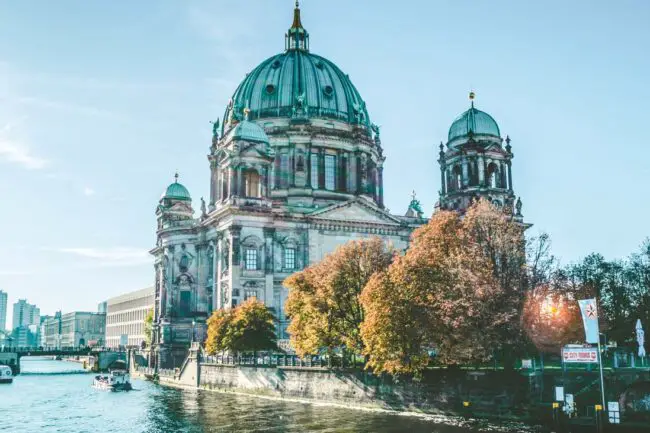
(510,175)
(308,171)
(465,179)
(481,171)
(292,166)
(240,182)
(380,171)
(276,171)
(214,184)
(443,188)
(218,269)
(321,168)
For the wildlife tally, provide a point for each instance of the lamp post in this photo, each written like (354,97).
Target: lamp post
(193,325)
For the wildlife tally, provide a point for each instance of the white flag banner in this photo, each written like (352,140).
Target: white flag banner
(640,339)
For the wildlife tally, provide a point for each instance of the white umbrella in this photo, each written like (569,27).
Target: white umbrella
(640,338)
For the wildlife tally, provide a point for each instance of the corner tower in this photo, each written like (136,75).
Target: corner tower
(475,164)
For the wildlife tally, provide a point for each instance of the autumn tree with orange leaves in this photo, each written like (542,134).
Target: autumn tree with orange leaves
(323,302)
(458,291)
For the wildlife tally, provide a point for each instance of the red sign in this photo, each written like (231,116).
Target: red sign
(580,354)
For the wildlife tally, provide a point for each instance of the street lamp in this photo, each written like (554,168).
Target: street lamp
(193,325)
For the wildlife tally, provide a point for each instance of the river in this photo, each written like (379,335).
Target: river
(56,396)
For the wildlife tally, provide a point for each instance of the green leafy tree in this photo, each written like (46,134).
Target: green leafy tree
(247,328)
(148,327)
(252,328)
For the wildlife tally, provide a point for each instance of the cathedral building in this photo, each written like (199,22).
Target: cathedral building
(296,169)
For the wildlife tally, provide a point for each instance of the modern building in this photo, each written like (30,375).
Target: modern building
(51,332)
(25,314)
(125,315)
(296,169)
(101,307)
(3,311)
(81,329)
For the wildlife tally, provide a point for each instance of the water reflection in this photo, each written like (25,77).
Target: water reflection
(49,402)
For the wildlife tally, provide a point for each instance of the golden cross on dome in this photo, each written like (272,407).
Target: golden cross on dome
(176,177)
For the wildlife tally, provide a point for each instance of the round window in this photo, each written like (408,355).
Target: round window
(328,90)
(270,89)
(276,64)
(319,64)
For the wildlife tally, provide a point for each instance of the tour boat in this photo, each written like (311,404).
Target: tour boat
(116,380)
(6,375)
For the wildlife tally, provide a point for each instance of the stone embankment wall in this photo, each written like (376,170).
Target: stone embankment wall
(439,391)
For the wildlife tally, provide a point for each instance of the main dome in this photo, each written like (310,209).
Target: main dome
(298,83)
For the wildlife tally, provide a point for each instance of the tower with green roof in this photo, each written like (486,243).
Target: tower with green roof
(475,164)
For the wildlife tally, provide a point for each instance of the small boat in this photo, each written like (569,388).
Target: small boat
(116,380)
(6,375)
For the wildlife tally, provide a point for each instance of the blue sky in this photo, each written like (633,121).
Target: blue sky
(101,101)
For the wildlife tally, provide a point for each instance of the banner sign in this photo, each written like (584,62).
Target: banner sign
(589,311)
(588,355)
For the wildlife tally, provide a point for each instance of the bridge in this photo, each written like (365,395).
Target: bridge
(11,356)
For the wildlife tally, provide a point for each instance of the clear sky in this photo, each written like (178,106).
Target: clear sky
(100,102)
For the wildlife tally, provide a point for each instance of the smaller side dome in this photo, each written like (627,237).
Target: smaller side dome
(476,121)
(250,131)
(176,191)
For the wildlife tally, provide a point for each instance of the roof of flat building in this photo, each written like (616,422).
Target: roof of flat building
(137,294)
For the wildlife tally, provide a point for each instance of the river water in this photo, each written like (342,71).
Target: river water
(56,396)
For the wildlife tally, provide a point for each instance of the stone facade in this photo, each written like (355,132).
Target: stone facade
(81,329)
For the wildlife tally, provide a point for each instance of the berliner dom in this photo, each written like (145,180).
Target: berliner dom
(295,170)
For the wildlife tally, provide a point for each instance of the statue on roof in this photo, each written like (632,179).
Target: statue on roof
(203,210)
(518,206)
(415,208)
(215,129)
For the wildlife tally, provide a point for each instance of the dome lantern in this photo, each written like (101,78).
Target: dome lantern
(297,38)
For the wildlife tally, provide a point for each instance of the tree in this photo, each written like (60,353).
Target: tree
(551,316)
(458,290)
(323,301)
(247,328)
(219,325)
(148,327)
(252,328)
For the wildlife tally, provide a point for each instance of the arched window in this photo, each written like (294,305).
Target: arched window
(473,173)
(457,177)
(252,183)
(493,176)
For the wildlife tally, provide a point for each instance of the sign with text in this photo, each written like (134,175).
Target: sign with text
(588,355)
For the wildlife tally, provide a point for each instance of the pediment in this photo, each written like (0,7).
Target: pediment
(355,210)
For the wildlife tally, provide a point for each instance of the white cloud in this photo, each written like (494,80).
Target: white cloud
(88,191)
(17,152)
(117,256)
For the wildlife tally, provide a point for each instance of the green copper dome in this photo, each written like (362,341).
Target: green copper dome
(473,120)
(250,131)
(177,191)
(297,83)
